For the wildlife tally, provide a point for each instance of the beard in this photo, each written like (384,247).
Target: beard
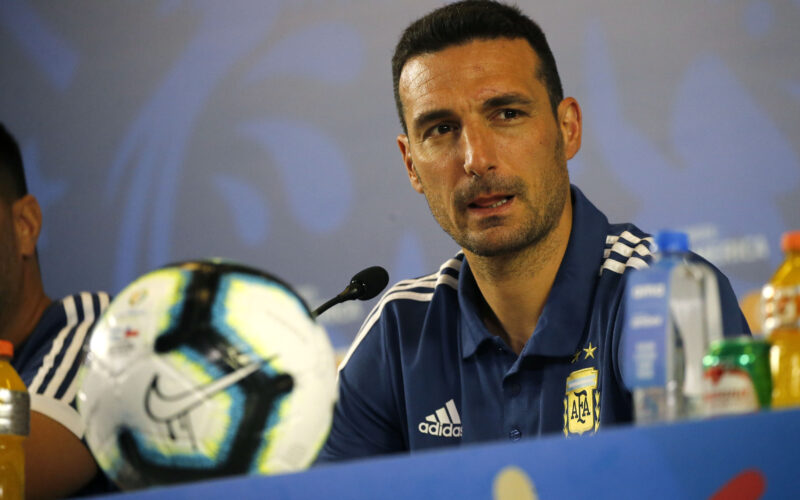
(494,237)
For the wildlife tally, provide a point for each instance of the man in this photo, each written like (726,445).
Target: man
(48,342)
(484,349)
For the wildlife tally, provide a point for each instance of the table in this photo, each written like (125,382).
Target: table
(750,455)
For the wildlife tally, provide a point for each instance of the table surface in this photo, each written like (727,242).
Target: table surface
(753,456)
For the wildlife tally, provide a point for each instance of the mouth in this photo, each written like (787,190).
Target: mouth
(494,203)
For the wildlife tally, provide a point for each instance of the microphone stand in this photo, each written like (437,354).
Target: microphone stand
(351,292)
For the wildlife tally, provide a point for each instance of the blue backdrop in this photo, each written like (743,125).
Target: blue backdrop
(264,131)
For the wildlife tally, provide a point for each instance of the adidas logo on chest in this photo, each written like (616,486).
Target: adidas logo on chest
(444,422)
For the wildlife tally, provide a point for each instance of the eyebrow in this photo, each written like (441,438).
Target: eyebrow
(506,100)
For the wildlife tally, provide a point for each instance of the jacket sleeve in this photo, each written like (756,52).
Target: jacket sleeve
(50,372)
(733,320)
(367,416)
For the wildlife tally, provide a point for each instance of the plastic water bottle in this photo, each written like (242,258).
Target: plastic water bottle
(672,314)
(14,426)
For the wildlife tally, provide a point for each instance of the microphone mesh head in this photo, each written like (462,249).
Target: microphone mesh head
(371,281)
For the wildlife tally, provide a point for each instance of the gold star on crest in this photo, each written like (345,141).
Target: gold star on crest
(589,351)
(576,356)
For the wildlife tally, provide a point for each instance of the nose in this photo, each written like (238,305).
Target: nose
(479,152)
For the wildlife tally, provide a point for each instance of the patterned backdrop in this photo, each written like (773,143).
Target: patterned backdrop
(264,131)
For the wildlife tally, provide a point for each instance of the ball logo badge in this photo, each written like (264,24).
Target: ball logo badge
(137,297)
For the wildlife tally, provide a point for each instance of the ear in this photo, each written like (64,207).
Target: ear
(27,217)
(405,150)
(571,125)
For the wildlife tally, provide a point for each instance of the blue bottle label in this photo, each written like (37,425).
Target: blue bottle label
(646,351)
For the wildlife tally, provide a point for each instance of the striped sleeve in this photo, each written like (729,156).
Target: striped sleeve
(54,385)
(419,289)
(626,250)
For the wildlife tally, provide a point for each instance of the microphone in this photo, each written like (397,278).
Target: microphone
(364,285)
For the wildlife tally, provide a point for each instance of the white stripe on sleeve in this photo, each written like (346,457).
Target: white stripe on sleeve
(75,347)
(69,395)
(58,342)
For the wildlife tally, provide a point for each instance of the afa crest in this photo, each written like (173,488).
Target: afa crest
(581,402)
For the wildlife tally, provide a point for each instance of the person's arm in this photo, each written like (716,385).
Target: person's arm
(733,319)
(57,463)
(360,429)
(368,419)
(734,322)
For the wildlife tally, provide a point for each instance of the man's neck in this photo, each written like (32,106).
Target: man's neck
(515,287)
(21,317)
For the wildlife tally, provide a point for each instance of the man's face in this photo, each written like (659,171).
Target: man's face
(483,145)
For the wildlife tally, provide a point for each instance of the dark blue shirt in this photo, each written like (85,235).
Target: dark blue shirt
(48,362)
(49,358)
(424,371)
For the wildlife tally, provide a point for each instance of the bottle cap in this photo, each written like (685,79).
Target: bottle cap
(6,348)
(672,241)
(790,241)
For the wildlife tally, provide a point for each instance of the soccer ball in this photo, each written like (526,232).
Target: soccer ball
(205,369)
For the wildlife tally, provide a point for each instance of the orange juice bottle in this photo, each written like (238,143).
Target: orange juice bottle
(780,300)
(14,425)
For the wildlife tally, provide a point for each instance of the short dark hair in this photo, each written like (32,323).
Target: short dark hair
(12,174)
(461,22)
